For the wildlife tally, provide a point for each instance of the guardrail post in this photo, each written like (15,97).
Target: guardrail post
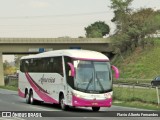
(157,95)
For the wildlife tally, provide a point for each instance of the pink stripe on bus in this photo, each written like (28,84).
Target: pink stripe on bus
(41,94)
(20,93)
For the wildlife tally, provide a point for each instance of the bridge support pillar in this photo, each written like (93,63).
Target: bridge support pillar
(1,70)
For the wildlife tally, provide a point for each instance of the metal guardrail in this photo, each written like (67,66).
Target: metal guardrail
(133,84)
(53,40)
(133,79)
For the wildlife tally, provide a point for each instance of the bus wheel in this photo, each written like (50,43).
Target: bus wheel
(27,98)
(31,98)
(95,109)
(62,103)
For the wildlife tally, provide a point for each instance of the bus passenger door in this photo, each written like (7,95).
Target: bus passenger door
(69,82)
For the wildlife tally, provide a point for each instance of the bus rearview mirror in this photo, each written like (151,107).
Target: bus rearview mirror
(72,70)
(116,71)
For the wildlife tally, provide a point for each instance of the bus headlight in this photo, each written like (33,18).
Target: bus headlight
(77,95)
(108,95)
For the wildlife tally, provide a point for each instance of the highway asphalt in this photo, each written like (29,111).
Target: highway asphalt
(10,101)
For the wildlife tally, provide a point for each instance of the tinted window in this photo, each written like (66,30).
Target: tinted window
(158,78)
(42,65)
(24,65)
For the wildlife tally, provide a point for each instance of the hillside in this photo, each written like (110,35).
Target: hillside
(141,64)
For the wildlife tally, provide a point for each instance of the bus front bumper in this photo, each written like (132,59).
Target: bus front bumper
(80,102)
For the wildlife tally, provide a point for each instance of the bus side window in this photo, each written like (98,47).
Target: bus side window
(44,65)
(57,66)
(22,65)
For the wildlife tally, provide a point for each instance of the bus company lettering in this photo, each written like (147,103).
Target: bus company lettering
(47,80)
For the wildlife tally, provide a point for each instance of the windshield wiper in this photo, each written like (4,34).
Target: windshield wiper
(99,82)
(89,83)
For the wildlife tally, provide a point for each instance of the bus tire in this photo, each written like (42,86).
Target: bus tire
(27,98)
(62,103)
(32,101)
(95,109)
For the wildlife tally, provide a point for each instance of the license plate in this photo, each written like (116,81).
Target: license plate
(94,103)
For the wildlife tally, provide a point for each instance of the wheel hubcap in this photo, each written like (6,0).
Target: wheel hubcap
(31,99)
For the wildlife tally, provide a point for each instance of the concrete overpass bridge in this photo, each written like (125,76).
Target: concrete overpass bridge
(34,45)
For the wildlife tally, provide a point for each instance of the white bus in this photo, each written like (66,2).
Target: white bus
(79,78)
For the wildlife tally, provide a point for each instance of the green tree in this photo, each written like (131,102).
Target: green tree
(97,30)
(122,13)
(8,69)
(6,64)
(134,26)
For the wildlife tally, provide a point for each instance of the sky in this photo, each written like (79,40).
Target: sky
(56,18)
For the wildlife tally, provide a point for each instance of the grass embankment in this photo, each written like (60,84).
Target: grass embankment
(135,94)
(142,64)
(9,87)
(136,97)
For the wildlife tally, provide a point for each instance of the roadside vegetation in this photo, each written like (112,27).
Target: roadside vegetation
(138,67)
(8,87)
(136,49)
(145,98)
(11,82)
(9,69)
(137,104)
(141,66)
(145,95)
(135,42)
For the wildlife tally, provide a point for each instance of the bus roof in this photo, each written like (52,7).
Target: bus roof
(73,53)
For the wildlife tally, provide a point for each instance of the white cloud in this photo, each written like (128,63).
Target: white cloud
(38,4)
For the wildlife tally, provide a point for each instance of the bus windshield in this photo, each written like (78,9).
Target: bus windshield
(92,76)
